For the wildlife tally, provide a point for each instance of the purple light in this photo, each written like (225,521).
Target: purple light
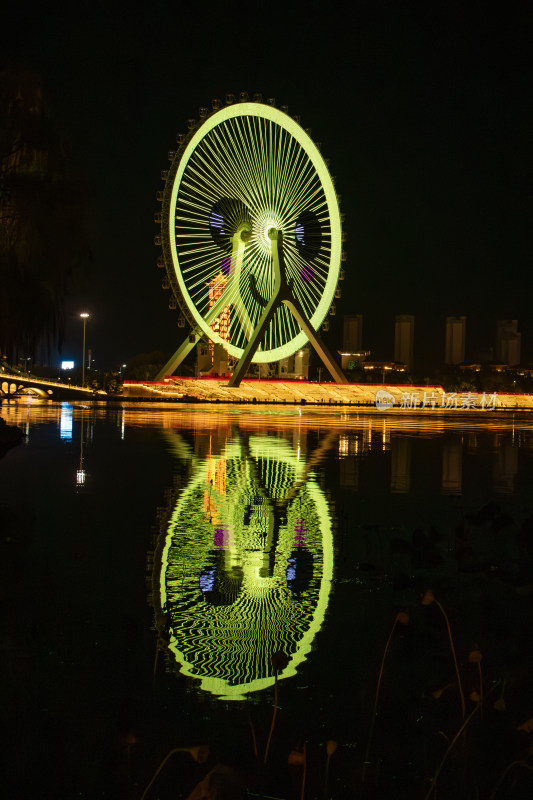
(225,267)
(299,533)
(221,536)
(307,273)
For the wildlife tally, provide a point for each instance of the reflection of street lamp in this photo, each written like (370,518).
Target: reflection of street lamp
(84,317)
(80,473)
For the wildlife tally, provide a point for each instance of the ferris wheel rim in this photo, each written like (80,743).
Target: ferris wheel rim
(172,193)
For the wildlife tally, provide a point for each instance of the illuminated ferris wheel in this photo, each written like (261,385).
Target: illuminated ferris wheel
(251,234)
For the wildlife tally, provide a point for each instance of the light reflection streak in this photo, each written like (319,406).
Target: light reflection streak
(360,433)
(65,422)
(205,418)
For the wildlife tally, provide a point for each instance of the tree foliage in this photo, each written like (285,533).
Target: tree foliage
(41,219)
(145,366)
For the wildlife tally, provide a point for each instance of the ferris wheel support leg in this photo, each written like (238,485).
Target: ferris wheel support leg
(245,360)
(182,352)
(326,357)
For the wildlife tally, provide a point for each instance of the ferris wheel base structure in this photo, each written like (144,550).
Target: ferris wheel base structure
(282,294)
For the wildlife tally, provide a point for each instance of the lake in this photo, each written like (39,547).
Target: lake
(156,557)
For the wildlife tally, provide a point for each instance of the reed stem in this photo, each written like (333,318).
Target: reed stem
(448,750)
(461,693)
(302,792)
(162,764)
(254,740)
(374,713)
(273,717)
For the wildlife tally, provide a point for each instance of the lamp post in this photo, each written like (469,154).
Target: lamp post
(84,317)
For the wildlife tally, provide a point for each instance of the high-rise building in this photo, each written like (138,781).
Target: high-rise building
(404,338)
(508,342)
(352,352)
(454,352)
(352,335)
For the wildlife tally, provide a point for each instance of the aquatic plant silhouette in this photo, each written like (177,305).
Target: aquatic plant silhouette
(427,600)
(331,746)
(200,753)
(254,738)
(403,618)
(448,751)
(526,727)
(279,662)
(452,744)
(517,763)
(475,656)
(304,775)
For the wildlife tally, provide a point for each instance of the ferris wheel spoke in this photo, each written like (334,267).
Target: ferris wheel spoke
(191,204)
(295,169)
(236,185)
(224,179)
(307,196)
(202,182)
(263,162)
(246,157)
(199,187)
(207,170)
(258,154)
(295,164)
(203,177)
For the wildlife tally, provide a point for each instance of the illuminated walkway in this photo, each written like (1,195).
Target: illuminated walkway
(408,397)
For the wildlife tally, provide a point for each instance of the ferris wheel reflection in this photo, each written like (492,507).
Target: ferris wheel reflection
(243,566)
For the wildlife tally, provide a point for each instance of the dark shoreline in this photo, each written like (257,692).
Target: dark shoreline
(10,435)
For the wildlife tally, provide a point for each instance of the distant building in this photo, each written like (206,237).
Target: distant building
(352,353)
(295,367)
(204,359)
(508,342)
(352,334)
(211,359)
(383,367)
(454,352)
(404,338)
(351,360)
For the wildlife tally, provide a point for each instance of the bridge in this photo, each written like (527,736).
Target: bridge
(14,382)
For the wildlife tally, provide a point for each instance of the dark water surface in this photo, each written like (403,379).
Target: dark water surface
(227,534)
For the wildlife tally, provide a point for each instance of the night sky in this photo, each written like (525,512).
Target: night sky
(423,109)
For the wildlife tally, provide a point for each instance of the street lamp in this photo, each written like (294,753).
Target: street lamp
(84,317)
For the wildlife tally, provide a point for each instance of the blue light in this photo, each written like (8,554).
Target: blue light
(290,574)
(216,221)
(65,422)
(207,580)
(299,234)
